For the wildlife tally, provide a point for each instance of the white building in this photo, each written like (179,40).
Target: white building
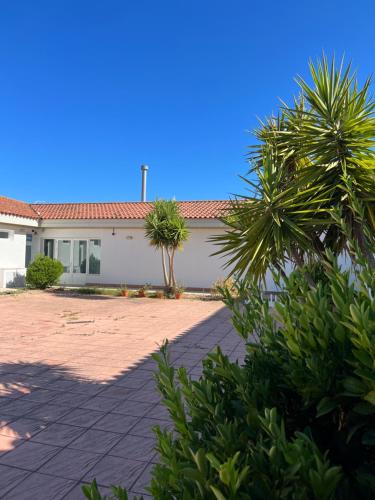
(104,243)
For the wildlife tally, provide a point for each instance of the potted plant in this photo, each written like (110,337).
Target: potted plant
(142,291)
(178,291)
(160,294)
(124,292)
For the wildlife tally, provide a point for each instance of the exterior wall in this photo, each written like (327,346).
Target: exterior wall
(12,257)
(127,256)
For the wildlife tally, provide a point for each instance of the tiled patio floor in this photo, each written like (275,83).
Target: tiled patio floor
(77,396)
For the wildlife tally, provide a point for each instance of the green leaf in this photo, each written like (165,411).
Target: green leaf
(353,385)
(370,397)
(218,493)
(325,405)
(368,438)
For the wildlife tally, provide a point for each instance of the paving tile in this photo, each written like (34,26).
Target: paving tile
(81,417)
(9,443)
(145,396)
(10,477)
(117,392)
(4,401)
(71,399)
(115,470)
(12,390)
(29,455)
(41,487)
(96,441)
(23,428)
(49,412)
(149,365)
(135,381)
(135,447)
(116,422)
(58,434)
(19,408)
(61,385)
(145,425)
(76,492)
(100,403)
(135,408)
(143,481)
(87,388)
(41,396)
(71,464)
(6,419)
(43,381)
(159,411)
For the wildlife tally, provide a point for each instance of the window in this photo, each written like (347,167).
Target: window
(29,240)
(48,248)
(94,257)
(63,254)
(79,256)
(4,235)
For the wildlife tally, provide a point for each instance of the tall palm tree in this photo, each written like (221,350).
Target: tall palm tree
(166,230)
(315,157)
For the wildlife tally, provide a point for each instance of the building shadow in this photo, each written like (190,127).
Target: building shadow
(63,429)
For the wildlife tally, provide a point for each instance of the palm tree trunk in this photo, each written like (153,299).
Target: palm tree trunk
(172,268)
(360,237)
(300,263)
(164,267)
(169,268)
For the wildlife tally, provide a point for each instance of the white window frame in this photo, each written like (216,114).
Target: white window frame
(55,252)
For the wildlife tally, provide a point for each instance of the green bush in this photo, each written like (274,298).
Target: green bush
(43,272)
(88,290)
(297,420)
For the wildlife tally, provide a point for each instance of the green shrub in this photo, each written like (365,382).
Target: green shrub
(43,272)
(86,290)
(297,420)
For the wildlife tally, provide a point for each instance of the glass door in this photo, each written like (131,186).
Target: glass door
(79,256)
(63,254)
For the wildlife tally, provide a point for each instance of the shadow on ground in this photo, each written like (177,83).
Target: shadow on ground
(59,431)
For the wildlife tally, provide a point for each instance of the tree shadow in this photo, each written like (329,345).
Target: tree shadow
(57,423)
(86,296)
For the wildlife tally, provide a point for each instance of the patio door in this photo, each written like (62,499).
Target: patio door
(73,256)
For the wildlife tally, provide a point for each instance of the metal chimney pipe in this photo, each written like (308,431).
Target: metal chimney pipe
(144,169)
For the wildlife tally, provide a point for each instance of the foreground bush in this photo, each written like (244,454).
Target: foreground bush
(43,272)
(297,421)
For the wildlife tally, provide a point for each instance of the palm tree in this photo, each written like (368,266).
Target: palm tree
(166,230)
(314,158)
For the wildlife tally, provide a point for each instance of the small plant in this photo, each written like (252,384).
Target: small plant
(222,284)
(43,272)
(91,492)
(124,292)
(178,291)
(142,291)
(160,294)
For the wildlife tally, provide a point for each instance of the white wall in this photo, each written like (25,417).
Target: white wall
(127,257)
(12,255)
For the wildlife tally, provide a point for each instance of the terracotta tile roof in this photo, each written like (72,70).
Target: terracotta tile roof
(126,210)
(17,208)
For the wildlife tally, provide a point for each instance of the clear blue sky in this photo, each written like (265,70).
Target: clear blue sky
(89,90)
